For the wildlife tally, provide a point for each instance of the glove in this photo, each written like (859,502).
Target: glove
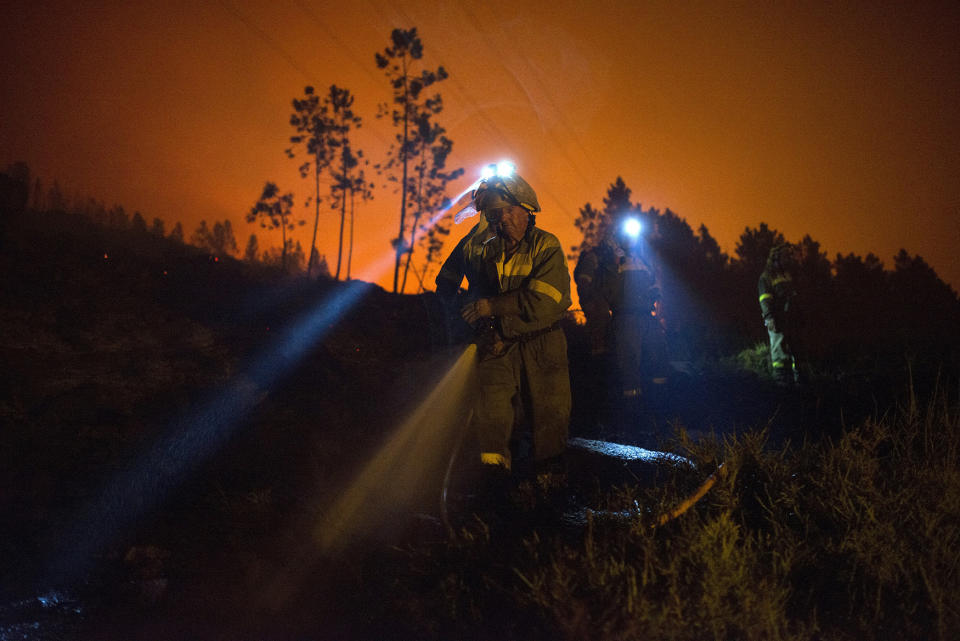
(489,342)
(472,312)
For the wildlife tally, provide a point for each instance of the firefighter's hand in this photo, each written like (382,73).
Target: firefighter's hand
(472,312)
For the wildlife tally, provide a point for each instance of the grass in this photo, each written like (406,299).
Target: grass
(851,538)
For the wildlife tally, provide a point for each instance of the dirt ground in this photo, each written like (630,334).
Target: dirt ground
(173,428)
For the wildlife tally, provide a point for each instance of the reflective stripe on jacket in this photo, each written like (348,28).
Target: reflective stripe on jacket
(776,292)
(536,281)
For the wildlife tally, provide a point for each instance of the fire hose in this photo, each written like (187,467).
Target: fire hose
(692,500)
(663,519)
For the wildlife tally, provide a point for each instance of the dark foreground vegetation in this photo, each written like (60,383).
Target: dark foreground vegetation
(168,451)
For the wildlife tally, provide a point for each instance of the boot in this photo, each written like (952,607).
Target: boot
(493,503)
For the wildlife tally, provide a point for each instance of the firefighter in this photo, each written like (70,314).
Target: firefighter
(599,375)
(777,290)
(621,287)
(596,309)
(522,290)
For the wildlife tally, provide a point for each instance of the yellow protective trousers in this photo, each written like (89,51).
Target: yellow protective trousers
(534,375)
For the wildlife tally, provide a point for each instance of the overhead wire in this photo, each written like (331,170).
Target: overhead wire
(487,121)
(346,50)
(287,57)
(458,87)
(463,93)
(263,35)
(560,116)
(551,134)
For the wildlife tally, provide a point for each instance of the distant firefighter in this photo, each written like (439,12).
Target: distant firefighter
(520,289)
(777,289)
(620,294)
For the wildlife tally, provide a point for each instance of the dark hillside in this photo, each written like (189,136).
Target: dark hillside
(113,342)
(175,425)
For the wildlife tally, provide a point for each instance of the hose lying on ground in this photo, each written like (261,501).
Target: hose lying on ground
(691,500)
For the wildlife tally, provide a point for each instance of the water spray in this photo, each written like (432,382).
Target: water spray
(401,469)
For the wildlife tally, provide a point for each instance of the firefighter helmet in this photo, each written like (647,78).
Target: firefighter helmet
(503,191)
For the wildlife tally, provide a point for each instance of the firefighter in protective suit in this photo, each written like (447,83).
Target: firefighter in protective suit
(777,290)
(616,276)
(521,291)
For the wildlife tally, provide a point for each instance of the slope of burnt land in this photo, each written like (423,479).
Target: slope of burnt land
(173,425)
(115,342)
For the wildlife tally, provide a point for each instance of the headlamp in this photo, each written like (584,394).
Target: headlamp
(500,178)
(632,227)
(502,169)
(505,168)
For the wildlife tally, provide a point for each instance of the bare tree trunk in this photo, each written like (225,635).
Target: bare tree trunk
(406,267)
(283,250)
(350,253)
(343,216)
(403,184)
(316,216)
(416,219)
(419,276)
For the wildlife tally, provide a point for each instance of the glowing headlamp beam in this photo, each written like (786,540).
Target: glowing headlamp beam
(502,169)
(632,227)
(192,439)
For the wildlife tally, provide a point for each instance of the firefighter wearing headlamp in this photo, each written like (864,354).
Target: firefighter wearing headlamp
(520,288)
(620,294)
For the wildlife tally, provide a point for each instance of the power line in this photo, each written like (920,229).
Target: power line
(488,122)
(333,36)
(343,47)
(277,48)
(467,10)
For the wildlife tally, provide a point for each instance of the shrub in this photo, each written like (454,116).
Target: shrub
(850,539)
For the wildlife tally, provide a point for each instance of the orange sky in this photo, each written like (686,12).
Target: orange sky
(837,121)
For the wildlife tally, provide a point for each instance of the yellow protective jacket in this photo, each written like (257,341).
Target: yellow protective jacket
(531,290)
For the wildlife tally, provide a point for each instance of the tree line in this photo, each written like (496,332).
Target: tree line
(341,176)
(856,313)
(22,191)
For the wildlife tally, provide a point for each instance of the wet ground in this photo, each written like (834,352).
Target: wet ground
(145,591)
(205,541)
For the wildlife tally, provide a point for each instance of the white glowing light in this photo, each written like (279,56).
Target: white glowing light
(631,227)
(502,169)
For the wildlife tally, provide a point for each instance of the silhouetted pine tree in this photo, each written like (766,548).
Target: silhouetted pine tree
(250,253)
(399,62)
(310,121)
(431,189)
(343,160)
(273,211)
